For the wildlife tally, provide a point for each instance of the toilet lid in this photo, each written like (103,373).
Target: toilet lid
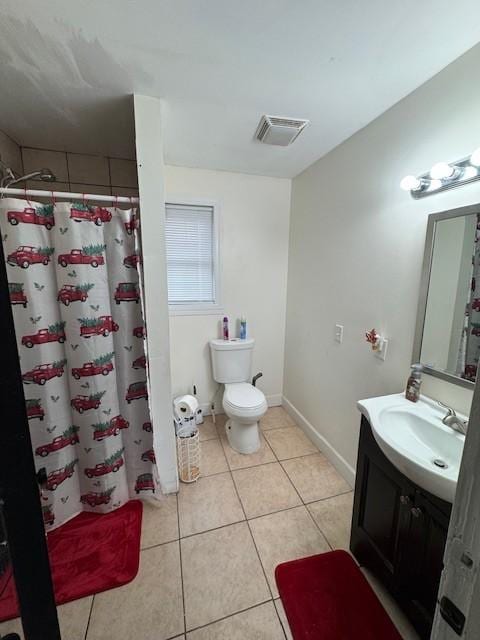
(243,395)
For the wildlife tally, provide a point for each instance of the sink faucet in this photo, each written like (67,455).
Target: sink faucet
(453,421)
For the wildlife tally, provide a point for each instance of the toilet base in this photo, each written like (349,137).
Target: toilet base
(243,438)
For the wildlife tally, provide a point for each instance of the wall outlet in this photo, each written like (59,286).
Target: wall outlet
(339,333)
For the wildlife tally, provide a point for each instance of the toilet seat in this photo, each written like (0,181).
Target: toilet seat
(243,399)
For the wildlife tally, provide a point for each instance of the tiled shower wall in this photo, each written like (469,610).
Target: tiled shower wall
(82,173)
(74,171)
(10,153)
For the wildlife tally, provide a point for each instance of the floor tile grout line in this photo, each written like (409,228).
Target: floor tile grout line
(303,503)
(247,518)
(307,509)
(252,537)
(222,526)
(335,495)
(230,615)
(279,618)
(181,571)
(87,628)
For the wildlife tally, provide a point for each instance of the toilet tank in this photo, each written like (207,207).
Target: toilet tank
(232,360)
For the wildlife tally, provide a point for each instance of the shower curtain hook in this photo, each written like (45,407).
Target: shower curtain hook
(54,202)
(116,202)
(84,200)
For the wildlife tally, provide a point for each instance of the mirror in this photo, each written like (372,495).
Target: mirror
(447,340)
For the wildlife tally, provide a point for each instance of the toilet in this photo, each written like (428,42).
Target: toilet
(243,403)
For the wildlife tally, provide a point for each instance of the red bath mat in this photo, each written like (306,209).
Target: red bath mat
(326,597)
(89,554)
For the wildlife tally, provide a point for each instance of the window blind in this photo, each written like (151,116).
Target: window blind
(189,232)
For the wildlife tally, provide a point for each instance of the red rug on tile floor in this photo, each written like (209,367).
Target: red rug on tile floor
(326,597)
(90,553)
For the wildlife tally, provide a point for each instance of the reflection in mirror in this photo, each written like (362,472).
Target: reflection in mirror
(451,330)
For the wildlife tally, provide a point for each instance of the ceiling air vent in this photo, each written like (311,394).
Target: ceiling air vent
(279,131)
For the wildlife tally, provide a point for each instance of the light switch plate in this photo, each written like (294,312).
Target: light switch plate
(339,333)
(382,353)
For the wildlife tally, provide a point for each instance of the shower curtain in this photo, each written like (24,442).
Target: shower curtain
(75,292)
(472,315)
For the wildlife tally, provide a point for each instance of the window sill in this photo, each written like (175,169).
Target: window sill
(195,310)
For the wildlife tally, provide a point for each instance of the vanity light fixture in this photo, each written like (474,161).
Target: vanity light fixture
(443,176)
(411,183)
(442,171)
(475,158)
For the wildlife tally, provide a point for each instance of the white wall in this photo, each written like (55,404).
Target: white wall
(254,228)
(356,248)
(149,146)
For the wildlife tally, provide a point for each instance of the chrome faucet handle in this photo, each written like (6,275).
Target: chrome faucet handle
(451,412)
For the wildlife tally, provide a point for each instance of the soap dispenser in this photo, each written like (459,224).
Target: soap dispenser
(414,381)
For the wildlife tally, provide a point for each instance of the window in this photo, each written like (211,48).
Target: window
(192,258)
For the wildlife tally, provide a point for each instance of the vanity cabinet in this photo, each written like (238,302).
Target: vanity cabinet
(399,532)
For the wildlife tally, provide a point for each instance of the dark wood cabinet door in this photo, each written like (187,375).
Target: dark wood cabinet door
(398,531)
(379,517)
(427,536)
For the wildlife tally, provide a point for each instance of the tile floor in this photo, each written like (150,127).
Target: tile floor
(208,554)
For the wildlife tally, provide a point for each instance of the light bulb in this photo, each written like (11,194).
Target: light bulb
(469,172)
(434,184)
(475,158)
(410,183)
(441,170)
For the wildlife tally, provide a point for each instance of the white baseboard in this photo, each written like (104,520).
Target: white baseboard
(275,400)
(338,461)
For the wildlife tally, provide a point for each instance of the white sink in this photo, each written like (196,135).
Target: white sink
(415,440)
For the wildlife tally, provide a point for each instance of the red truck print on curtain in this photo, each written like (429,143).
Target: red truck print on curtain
(73,293)
(83,403)
(34,409)
(148,456)
(98,215)
(102,430)
(42,216)
(136,391)
(131,261)
(145,483)
(131,225)
(94,499)
(17,295)
(54,333)
(101,326)
(476,304)
(68,437)
(139,332)
(140,363)
(127,292)
(475,329)
(91,255)
(100,366)
(44,372)
(55,478)
(110,465)
(26,255)
(147,426)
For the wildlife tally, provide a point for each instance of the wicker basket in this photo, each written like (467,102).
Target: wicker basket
(188,455)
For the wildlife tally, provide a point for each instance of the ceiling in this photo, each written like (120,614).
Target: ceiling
(68,69)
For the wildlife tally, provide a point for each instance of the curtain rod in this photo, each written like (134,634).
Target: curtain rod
(37,193)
